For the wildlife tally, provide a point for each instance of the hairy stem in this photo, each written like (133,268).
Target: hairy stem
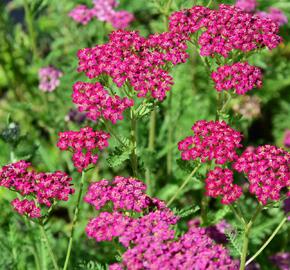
(151,146)
(283,221)
(134,159)
(46,240)
(185,182)
(75,219)
(246,237)
(169,156)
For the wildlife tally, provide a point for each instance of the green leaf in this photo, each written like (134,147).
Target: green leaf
(118,156)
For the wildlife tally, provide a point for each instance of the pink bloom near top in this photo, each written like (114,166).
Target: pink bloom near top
(103,10)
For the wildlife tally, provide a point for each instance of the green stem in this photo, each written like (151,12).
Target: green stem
(75,219)
(33,244)
(30,27)
(238,214)
(46,240)
(246,237)
(169,156)
(268,241)
(219,106)
(185,182)
(111,131)
(151,146)
(134,159)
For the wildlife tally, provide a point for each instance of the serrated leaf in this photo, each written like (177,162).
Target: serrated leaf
(118,156)
(187,211)
(186,165)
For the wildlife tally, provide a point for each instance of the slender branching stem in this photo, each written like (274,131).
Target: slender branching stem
(75,219)
(283,221)
(246,236)
(185,182)
(46,240)
(151,146)
(134,158)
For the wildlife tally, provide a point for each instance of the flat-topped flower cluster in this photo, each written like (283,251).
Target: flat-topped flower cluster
(38,188)
(149,238)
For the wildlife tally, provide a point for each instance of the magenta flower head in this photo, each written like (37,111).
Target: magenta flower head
(226,29)
(82,14)
(130,59)
(274,14)
(38,189)
(124,193)
(287,139)
(49,79)
(247,5)
(219,182)
(104,11)
(84,144)
(267,170)
(93,99)
(240,77)
(211,140)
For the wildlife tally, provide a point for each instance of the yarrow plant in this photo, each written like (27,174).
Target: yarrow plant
(127,79)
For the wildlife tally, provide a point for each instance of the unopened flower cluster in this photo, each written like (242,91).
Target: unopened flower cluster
(240,77)
(49,78)
(267,169)
(83,144)
(219,182)
(212,140)
(150,239)
(93,99)
(103,10)
(141,62)
(37,188)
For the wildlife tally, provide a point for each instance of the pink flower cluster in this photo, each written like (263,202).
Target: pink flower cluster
(274,14)
(267,169)
(103,10)
(83,144)
(123,193)
(93,99)
(49,79)
(141,62)
(247,5)
(42,187)
(226,29)
(26,207)
(82,14)
(211,140)
(281,260)
(150,239)
(240,77)
(219,182)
